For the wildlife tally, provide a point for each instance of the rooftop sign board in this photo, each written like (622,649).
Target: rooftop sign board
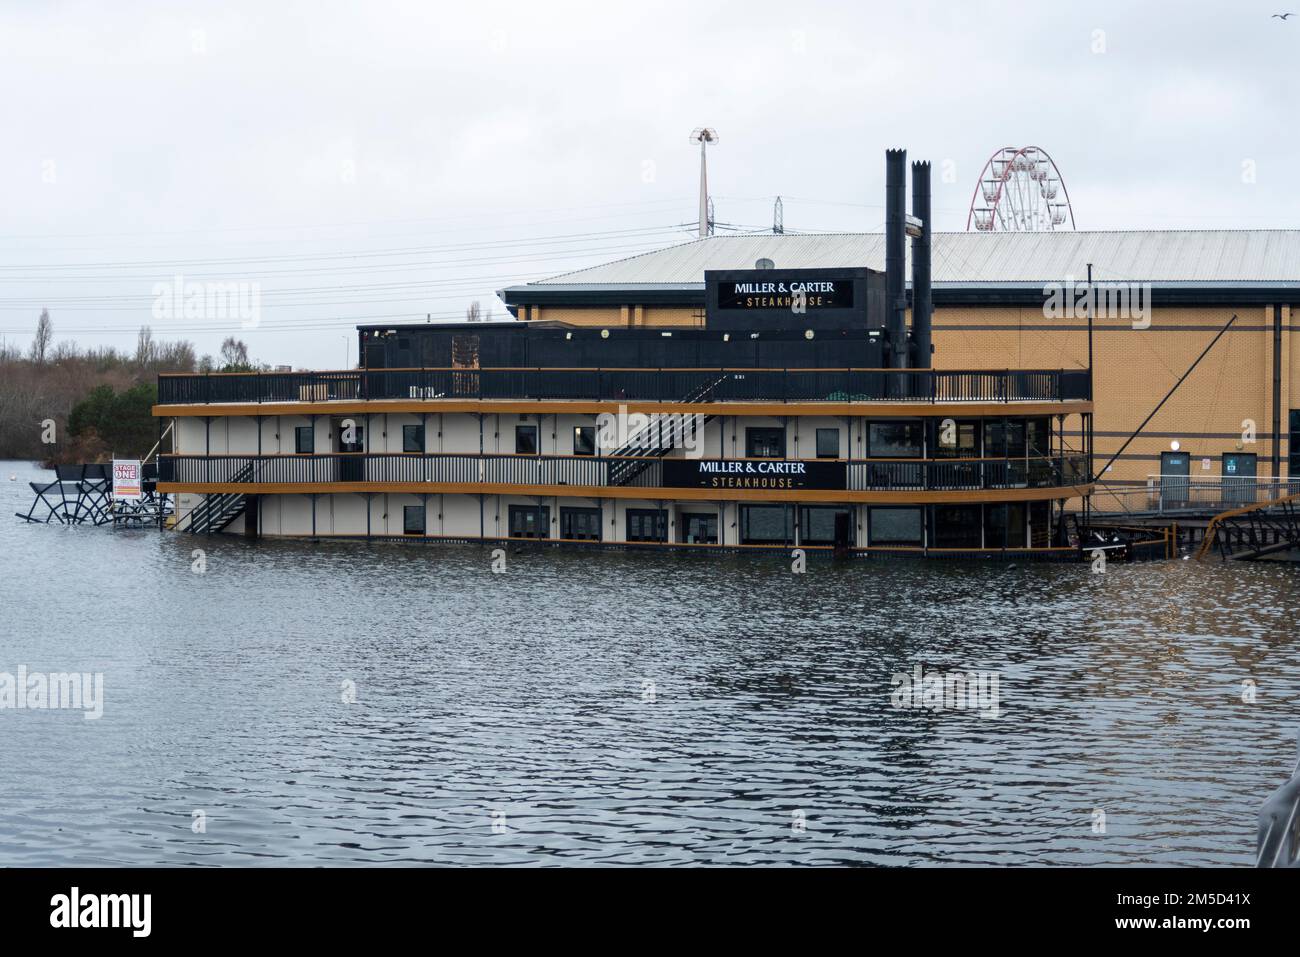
(771,299)
(831,293)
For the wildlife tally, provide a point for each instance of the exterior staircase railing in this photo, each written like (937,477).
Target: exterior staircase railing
(664,433)
(217,511)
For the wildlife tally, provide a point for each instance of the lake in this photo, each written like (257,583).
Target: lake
(302,703)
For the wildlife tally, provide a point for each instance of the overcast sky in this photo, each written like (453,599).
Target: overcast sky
(377,161)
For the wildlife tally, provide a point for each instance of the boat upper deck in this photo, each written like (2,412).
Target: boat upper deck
(825,391)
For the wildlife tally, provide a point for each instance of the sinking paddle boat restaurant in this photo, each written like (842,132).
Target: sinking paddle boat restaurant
(798,408)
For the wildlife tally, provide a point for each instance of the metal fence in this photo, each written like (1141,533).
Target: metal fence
(1184,494)
(1036,472)
(436,468)
(591,471)
(652,385)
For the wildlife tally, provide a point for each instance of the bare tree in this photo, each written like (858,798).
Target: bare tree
(146,352)
(176,356)
(234,355)
(474,313)
(44,334)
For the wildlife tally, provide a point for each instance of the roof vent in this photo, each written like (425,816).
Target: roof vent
(765,264)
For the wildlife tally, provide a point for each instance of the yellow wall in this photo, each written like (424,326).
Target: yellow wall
(1134,369)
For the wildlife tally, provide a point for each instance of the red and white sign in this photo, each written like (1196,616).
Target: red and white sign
(126,480)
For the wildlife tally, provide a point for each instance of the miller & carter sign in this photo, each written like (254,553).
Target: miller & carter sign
(755,474)
(782,293)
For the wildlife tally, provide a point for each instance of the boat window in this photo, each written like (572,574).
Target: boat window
(524,521)
(766,525)
(647,525)
(765,443)
(413,438)
(888,525)
(894,440)
(828,443)
(698,528)
(413,520)
(581,524)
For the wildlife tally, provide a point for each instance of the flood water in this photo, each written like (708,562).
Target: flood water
(627,707)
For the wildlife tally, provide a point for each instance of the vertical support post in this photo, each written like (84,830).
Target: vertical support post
(1276,461)
(1090,302)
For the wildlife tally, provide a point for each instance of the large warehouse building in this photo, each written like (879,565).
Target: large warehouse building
(1017,300)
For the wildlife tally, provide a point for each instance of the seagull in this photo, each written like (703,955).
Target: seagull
(1281,16)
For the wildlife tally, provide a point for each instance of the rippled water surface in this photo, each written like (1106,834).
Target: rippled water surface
(619,708)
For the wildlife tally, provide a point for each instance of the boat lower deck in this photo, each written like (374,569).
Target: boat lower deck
(1003,525)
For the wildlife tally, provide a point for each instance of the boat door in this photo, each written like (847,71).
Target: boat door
(349,435)
(1175,472)
(1239,484)
(842,532)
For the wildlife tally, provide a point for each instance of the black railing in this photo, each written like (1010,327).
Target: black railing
(437,468)
(644,385)
(591,471)
(938,475)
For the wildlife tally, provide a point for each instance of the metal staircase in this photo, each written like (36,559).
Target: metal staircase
(665,432)
(215,512)
(661,436)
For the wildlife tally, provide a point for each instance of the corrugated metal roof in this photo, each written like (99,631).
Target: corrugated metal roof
(1154,256)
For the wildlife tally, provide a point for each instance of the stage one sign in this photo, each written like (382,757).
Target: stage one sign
(126,480)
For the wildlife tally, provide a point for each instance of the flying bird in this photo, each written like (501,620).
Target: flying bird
(1281,16)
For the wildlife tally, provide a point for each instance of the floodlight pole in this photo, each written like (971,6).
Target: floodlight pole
(704,189)
(704,136)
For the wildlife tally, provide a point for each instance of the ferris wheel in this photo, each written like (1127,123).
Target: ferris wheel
(1020,190)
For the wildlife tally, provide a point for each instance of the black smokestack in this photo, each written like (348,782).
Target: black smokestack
(895,225)
(922,305)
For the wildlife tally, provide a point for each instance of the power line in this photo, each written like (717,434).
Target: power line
(560,239)
(475,217)
(234,325)
(536,257)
